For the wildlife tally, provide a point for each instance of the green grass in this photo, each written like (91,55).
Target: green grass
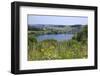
(51,49)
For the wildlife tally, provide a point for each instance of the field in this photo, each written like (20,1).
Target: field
(51,49)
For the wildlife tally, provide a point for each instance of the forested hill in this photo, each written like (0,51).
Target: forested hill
(56,28)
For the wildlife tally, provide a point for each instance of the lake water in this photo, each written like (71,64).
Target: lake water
(58,37)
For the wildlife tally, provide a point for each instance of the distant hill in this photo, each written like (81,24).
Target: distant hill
(64,28)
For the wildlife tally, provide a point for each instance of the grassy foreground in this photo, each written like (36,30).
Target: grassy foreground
(51,49)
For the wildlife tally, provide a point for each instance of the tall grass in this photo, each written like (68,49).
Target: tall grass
(51,49)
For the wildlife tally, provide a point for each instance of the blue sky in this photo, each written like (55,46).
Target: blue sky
(57,20)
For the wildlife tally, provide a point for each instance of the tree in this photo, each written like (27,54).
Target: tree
(31,41)
(82,36)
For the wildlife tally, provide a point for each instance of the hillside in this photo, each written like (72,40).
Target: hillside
(56,28)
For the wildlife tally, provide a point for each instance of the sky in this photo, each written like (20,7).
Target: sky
(57,20)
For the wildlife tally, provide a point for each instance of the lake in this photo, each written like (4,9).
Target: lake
(58,37)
